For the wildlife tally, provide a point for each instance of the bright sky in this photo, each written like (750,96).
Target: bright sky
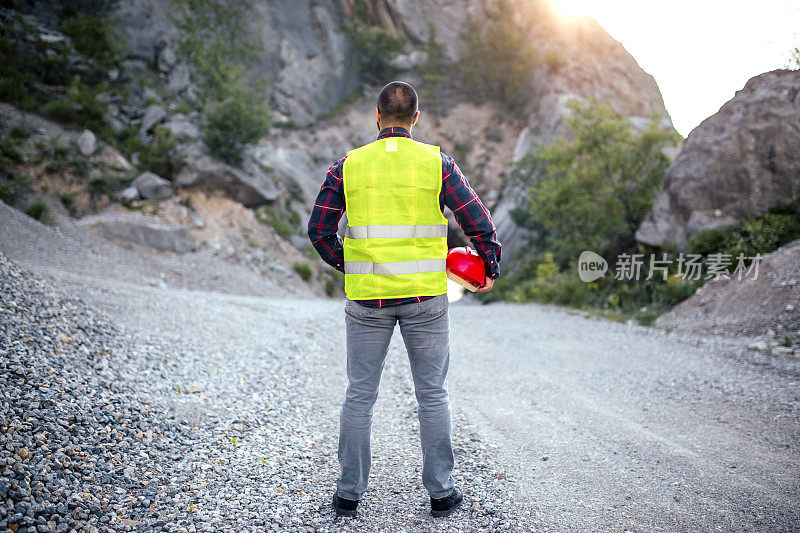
(699,51)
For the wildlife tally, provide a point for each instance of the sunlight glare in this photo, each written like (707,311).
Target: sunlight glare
(572,8)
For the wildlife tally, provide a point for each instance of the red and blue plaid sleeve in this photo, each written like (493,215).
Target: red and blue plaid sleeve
(324,221)
(471,215)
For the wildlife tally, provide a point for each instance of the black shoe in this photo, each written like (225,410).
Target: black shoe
(445,506)
(344,507)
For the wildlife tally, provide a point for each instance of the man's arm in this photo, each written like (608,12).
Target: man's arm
(324,221)
(471,215)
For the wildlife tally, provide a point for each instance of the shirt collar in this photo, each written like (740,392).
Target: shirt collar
(394,132)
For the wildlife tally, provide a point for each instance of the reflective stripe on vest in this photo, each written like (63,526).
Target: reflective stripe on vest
(395,269)
(396,232)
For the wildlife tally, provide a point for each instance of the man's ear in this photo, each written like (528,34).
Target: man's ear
(416,118)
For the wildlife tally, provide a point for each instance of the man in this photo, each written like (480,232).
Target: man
(393,257)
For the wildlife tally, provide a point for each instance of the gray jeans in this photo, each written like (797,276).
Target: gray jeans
(425,330)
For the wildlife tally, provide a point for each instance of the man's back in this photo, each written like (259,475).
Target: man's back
(393,257)
(395,244)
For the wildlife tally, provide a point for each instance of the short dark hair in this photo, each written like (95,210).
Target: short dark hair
(398,102)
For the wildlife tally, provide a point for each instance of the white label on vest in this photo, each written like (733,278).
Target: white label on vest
(391,144)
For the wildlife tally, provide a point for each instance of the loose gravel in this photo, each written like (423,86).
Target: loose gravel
(209,401)
(78,451)
(204,412)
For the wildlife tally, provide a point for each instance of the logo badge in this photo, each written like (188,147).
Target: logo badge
(591,266)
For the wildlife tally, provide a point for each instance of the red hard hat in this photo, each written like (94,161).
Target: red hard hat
(465,267)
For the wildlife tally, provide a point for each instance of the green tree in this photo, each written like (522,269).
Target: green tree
(434,73)
(216,41)
(591,190)
(374,47)
(497,60)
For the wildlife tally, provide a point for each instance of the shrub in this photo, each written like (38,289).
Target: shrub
(9,152)
(761,234)
(159,156)
(33,71)
(215,40)
(68,201)
(19,131)
(674,291)
(593,191)
(303,270)
(239,120)
(93,35)
(39,210)
(373,47)
(107,184)
(434,74)
(13,186)
(30,66)
(80,166)
(269,216)
(80,106)
(497,60)
(554,60)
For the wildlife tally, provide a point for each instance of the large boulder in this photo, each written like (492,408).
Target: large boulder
(152,187)
(141,230)
(740,162)
(87,143)
(250,185)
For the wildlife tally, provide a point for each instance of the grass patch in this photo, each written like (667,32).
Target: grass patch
(40,211)
(540,280)
(13,186)
(68,201)
(269,216)
(760,234)
(303,270)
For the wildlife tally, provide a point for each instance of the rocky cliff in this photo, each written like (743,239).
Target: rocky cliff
(320,108)
(740,162)
(306,63)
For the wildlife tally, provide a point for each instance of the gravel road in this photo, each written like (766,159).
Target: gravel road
(229,410)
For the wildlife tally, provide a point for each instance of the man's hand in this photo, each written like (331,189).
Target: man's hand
(487,287)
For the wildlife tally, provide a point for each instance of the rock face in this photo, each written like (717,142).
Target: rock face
(749,306)
(303,50)
(305,60)
(141,230)
(251,185)
(737,163)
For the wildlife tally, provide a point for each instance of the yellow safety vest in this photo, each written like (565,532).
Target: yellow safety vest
(395,244)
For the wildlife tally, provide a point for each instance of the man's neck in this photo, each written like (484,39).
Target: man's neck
(404,126)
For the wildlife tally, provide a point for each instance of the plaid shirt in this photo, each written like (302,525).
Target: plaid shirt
(456,193)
